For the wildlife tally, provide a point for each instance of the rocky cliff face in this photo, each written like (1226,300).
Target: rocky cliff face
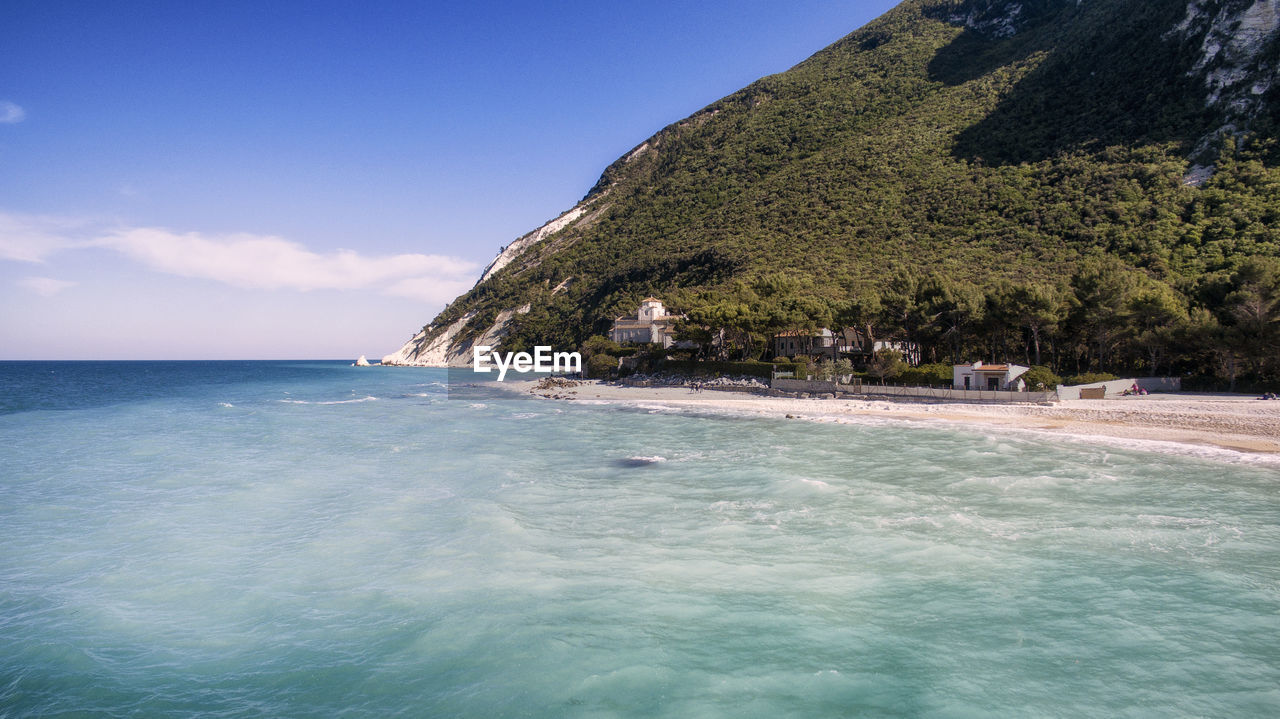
(1238,53)
(1003,18)
(432,346)
(449,344)
(1238,50)
(517,248)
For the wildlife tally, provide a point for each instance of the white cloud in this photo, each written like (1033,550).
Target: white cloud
(267,262)
(45,286)
(11,113)
(32,238)
(241,260)
(432,290)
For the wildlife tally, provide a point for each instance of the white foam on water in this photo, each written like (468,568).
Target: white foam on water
(328,402)
(172,558)
(1155,446)
(987,432)
(911,521)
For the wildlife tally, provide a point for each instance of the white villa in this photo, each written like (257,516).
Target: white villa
(824,342)
(1006,377)
(819,342)
(650,325)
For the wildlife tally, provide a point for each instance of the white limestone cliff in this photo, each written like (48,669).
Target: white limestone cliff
(421,352)
(1233,62)
(436,346)
(517,248)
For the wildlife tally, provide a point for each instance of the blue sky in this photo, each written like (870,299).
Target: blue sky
(317,179)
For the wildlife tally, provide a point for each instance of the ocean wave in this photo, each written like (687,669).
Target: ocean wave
(1166,520)
(640,461)
(915,520)
(1001,433)
(660,409)
(1007,482)
(336,401)
(740,505)
(1000,436)
(1160,446)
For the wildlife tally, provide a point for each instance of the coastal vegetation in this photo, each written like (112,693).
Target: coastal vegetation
(1106,316)
(1053,186)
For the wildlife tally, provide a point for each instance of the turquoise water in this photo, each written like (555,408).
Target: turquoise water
(316,540)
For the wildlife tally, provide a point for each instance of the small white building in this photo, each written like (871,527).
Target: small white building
(1007,377)
(649,325)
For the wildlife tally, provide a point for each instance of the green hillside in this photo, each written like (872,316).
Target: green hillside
(927,174)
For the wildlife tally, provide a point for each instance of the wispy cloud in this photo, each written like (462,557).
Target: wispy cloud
(433,289)
(32,238)
(243,260)
(45,286)
(267,262)
(11,113)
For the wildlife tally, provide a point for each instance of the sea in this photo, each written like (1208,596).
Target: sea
(313,539)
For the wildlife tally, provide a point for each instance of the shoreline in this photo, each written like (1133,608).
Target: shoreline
(1239,424)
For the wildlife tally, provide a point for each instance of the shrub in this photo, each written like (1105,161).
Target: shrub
(930,375)
(600,344)
(601,366)
(886,364)
(1089,378)
(748,368)
(1041,379)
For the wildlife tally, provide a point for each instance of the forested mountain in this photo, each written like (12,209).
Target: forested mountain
(1098,178)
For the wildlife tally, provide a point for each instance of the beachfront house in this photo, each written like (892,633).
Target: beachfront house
(978,375)
(651,324)
(821,343)
(910,351)
(847,343)
(809,343)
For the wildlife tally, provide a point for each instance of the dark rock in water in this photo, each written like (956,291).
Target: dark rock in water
(639,461)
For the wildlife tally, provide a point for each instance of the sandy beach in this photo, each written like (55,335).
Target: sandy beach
(1233,422)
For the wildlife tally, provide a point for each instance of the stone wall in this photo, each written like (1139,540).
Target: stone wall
(1116,387)
(926,393)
